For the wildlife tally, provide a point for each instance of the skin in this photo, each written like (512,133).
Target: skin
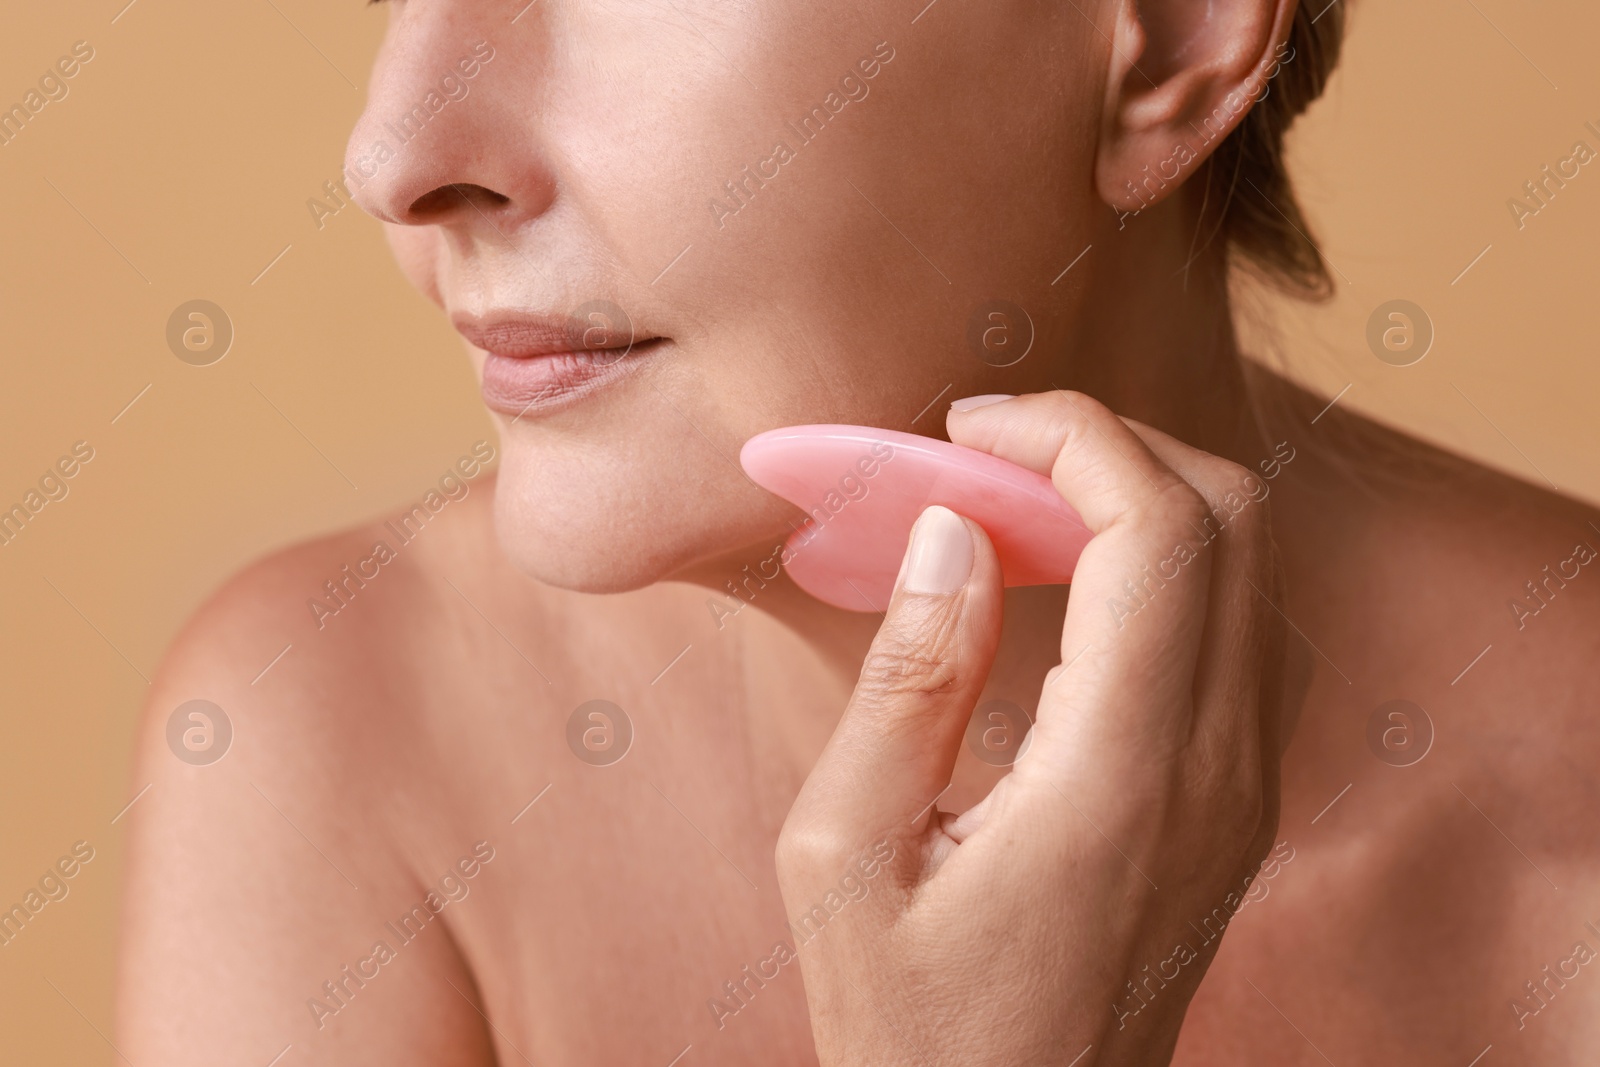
(1396,925)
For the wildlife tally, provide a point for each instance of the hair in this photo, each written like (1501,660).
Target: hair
(1267,235)
(1257,215)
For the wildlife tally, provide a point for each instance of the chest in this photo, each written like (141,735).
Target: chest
(637,939)
(632,917)
(635,915)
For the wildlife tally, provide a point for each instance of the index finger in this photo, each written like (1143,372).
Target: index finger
(1133,627)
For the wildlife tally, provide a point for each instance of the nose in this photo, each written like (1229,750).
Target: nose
(447,136)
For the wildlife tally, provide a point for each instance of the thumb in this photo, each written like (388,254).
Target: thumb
(894,749)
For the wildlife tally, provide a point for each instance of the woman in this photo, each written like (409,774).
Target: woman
(773,843)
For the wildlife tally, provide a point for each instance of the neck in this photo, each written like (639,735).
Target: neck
(1154,338)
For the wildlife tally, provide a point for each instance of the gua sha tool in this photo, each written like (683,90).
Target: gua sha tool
(864,488)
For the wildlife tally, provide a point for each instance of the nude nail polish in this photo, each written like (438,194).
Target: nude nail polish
(940,558)
(967,403)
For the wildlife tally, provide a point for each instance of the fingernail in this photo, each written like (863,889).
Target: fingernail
(940,558)
(967,403)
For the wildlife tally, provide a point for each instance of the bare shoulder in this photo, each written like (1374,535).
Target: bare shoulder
(1442,775)
(284,824)
(1516,564)
(320,630)
(1521,564)
(1456,560)
(1447,556)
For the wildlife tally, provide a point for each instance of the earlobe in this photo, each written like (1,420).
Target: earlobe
(1178,84)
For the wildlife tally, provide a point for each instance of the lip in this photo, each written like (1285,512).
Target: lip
(537,363)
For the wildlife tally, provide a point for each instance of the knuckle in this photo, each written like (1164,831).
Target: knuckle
(1219,476)
(899,666)
(1182,503)
(1241,490)
(1071,416)
(1227,473)
(1066,426)
(808,845)
(1082,405)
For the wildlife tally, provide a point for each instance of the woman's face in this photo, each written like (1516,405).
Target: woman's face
(810,203)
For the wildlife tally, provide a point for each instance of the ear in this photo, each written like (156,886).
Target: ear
(1182,76)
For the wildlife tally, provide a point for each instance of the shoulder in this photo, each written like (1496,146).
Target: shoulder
(281,786)
(1530,560)
(1427,558)
(1480,590)
(331,639)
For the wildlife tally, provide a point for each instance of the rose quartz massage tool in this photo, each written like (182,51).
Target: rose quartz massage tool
(865,487)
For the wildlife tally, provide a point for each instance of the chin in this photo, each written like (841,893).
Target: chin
(611,520)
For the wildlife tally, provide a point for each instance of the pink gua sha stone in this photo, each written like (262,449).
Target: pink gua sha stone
(864,488)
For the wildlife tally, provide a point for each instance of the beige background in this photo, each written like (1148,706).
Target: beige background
(179,166)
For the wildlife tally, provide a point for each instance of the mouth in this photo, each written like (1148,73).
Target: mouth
(538,363)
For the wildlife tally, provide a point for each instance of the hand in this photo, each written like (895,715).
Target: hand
(1144,800)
